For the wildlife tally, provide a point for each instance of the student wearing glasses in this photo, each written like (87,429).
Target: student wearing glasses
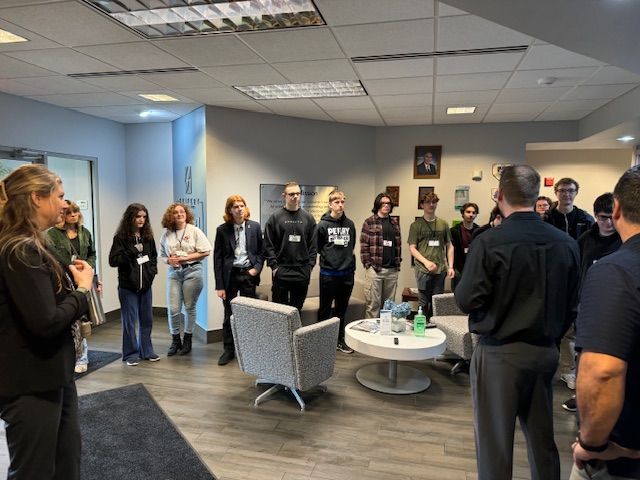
(380,253)
(566,216)
(290,249)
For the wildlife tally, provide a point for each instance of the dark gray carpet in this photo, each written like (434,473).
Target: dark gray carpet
(126,435)
(98,359)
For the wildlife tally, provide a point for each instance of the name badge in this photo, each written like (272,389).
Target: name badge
(466,250)
(340,242)
(387,243)
(143,259)
(434,243)
(295,238)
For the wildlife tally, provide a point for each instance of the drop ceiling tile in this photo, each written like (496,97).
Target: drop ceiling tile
(565,77)
(59,84)
(536,94)
(496,62)
(418,67)
(53,22)
(533,108)
(469,31)
(14,87)
(135,94)
(298,107)
(86,99)
(16,3)
(291,45)
(550,116)
(261,74)
(611,75)
(62,60)
(132,56)
(408,118)
(250,106)
(209,50)
(210,96)
(445,10)
(403,121)
(35,42)
(471,81)
(360,117)
(469,98)
(399,86)
(414,112)
(317,70)
(13,68)
(577,105)
(181,108)
(122,83)
(349,12)
(344,103)
(587,92)
(419,100)
(415,36)
(184,80)
(549,56)
(509,117)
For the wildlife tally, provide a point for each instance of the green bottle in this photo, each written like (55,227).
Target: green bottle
(419,322)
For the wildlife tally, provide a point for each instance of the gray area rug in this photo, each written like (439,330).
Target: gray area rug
(98,359)
(126,435)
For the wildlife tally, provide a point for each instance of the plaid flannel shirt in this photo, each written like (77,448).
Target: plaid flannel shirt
(371,247)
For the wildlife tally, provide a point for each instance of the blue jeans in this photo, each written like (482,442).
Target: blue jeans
(185,285)
(136,311)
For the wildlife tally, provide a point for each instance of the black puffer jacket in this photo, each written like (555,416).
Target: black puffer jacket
(132,275)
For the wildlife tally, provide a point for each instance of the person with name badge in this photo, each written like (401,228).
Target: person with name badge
(134,253)
(431,247)
(183,246)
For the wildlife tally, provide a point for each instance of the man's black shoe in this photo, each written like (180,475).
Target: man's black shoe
(570,405)
(226,357)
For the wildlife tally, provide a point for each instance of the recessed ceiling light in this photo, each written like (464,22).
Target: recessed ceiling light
(145,113)
(460,110)
(626,138)
(189,17)
(8,37)
(349,88)
(158,97)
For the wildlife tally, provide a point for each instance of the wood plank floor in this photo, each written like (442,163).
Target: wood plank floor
(349,432)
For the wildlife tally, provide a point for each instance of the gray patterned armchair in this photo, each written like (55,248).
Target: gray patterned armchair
(455,325)
(272,345)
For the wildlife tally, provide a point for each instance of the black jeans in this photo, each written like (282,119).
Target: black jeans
(288,292)
(338,289)
(241,283)
(43,434)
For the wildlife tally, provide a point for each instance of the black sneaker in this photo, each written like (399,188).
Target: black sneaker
(226,357)
(570,405)
(344,348)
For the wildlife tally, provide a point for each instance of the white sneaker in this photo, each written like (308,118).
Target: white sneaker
(569,379)
(80,368)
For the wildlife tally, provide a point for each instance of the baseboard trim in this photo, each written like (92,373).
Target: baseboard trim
(202,335)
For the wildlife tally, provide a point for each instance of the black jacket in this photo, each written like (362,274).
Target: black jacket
(520,282)
(593,247)
(575,223)
(131,275)
(336,239)
(36,345)
(459,256)
(224,251)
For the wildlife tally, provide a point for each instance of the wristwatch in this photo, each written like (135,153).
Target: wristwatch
(592,448)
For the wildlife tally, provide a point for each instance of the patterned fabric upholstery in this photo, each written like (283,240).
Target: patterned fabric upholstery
(455,325)
(271,344)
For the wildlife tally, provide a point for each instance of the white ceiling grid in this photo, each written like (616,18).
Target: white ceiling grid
(68,37)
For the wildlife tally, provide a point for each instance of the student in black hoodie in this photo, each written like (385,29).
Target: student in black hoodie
(134,253)
(290,249)
(336,240)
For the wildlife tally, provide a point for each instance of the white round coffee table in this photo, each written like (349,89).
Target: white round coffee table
(389,377)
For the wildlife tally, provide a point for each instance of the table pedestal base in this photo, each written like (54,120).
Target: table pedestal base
(393,378)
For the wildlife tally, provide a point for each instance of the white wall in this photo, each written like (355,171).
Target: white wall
(29,124)
(149,174)
(245,149)
(597,171)
(464,148)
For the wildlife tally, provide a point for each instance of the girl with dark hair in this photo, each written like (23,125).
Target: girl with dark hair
(134,253)
(40,334)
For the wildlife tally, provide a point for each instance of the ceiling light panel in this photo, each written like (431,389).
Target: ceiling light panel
(352,88)
(170,18)
(8,37)
(460,110)
(158,97)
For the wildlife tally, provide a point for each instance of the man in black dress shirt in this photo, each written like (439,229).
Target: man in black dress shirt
(520,323)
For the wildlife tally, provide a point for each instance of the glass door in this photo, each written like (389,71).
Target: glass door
(10,159)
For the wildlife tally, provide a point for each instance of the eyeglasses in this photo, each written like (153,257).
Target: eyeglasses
(431,202)
(293,194)
(385,203)
(604,218)
(567,190)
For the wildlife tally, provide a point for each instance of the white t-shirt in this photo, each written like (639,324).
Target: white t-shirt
(183,242)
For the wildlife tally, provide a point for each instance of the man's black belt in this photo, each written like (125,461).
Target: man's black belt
(240,269)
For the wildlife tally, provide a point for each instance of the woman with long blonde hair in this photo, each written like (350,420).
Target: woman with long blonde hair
(39,312)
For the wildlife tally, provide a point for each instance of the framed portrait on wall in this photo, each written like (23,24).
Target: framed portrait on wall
(394,194)
(427,161)
(422,191)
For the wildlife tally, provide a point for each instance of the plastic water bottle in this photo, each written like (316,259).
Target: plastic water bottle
(419,323)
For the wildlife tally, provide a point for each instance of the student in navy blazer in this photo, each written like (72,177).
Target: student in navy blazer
(237,263)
